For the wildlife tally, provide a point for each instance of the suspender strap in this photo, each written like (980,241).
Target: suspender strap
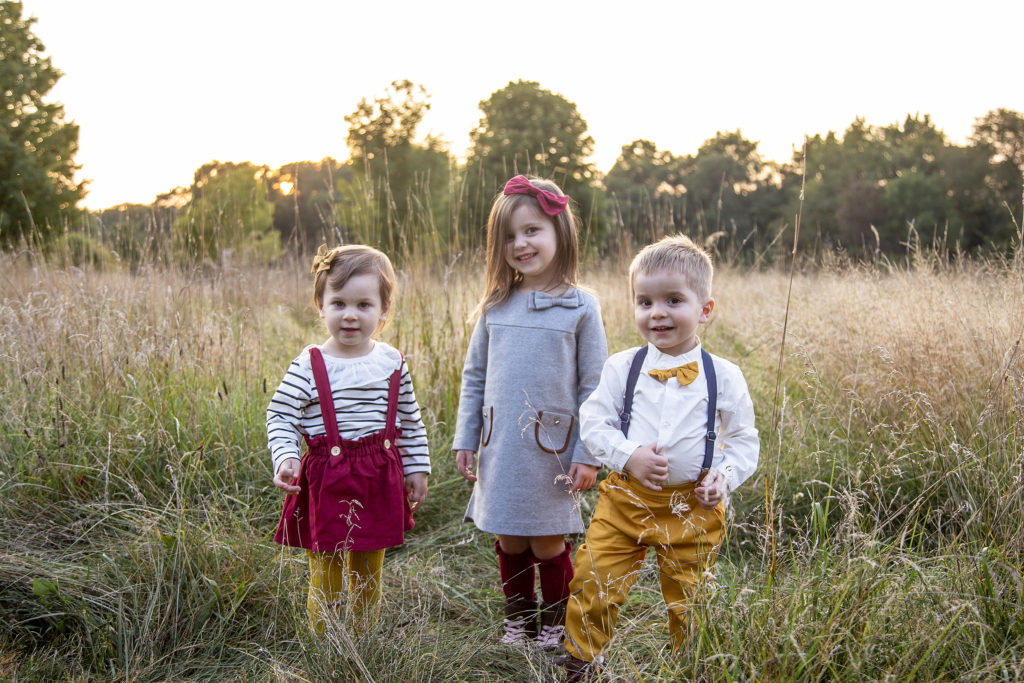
(627,399)
(323,391)
(394,384)
(712,380)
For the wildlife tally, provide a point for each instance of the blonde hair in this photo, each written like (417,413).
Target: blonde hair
(340,264)
(501,278)
(680,254)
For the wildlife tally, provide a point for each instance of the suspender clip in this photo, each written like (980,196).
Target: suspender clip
(711,436)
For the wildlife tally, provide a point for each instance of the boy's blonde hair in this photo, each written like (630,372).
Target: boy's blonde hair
(501,278)
(336,266)
(680,254)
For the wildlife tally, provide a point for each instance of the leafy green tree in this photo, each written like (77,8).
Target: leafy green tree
(645,192)
(37,146)
(527,129)
(1002,130)
(642,165)
(305,195)
(398,193)
(918,198)
(229,216)
(974,192)
(387,123)
(865,190)
(1000,134)
(878,187)
(725,190)
(719,181)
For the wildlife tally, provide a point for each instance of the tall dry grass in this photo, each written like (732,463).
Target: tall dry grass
(880,537)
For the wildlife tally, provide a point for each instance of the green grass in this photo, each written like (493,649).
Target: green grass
(880,539)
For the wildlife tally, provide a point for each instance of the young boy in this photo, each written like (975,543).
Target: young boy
(674,457)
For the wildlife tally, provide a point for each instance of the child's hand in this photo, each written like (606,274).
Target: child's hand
(416,489)
(464,459)
(582,477)
(287,474)
(711,489)
(648,466)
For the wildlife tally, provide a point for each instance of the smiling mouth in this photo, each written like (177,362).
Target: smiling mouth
(662,329)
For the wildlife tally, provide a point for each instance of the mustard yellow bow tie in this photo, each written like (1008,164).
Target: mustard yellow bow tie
(684,373)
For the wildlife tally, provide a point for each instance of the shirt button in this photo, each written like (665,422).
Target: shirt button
(387,444)
(335,450)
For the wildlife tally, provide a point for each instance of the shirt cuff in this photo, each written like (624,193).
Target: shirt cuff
(730,476)
(621,453)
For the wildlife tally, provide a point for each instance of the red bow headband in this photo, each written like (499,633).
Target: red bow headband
(550,203)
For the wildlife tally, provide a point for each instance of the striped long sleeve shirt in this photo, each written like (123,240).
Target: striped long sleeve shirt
(360,389)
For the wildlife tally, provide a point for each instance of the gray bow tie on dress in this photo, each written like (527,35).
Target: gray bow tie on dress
(540,301)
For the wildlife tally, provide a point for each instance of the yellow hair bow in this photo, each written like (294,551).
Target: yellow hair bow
(323,259)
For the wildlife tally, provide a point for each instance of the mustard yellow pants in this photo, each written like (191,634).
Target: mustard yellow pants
(327,579)
(628,520)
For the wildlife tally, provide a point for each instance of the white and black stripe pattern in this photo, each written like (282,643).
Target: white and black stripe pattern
(294,411)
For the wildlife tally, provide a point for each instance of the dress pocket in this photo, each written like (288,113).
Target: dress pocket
(553,431)
(487,426)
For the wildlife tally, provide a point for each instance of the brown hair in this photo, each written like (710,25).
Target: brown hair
(501,278)
(680,254)
(340,264)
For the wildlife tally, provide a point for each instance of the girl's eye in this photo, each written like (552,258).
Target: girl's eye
(675,300)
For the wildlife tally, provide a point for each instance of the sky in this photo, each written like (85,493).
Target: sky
(160,88)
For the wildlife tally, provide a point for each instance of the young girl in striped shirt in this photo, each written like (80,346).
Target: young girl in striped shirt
(365,470)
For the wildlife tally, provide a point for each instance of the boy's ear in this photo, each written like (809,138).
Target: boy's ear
(705,311)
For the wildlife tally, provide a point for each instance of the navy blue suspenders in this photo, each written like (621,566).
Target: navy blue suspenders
(627,399)
(712,382)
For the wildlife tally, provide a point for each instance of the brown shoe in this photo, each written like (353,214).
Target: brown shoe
(520,621)
(552,626)
(579,671)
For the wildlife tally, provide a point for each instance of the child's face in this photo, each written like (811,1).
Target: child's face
(667,311)
(352,315)
(531,244)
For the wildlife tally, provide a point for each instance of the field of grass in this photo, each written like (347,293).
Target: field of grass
(882,537)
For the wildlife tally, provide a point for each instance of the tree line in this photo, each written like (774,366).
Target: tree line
(869,190)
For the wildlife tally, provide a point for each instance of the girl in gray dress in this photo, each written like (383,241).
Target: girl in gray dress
(536,353)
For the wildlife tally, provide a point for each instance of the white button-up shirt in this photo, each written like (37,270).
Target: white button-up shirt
(672,416)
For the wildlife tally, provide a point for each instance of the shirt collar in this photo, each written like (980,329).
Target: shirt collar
(662,361)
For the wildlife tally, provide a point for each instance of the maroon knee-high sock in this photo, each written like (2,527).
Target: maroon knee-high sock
(555,575)
(517,577)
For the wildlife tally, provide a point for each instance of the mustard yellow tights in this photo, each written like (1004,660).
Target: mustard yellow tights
(327,583)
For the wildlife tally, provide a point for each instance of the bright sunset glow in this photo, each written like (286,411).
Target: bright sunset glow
(670,72)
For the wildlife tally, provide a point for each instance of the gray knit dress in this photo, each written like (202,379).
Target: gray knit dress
(532,361)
